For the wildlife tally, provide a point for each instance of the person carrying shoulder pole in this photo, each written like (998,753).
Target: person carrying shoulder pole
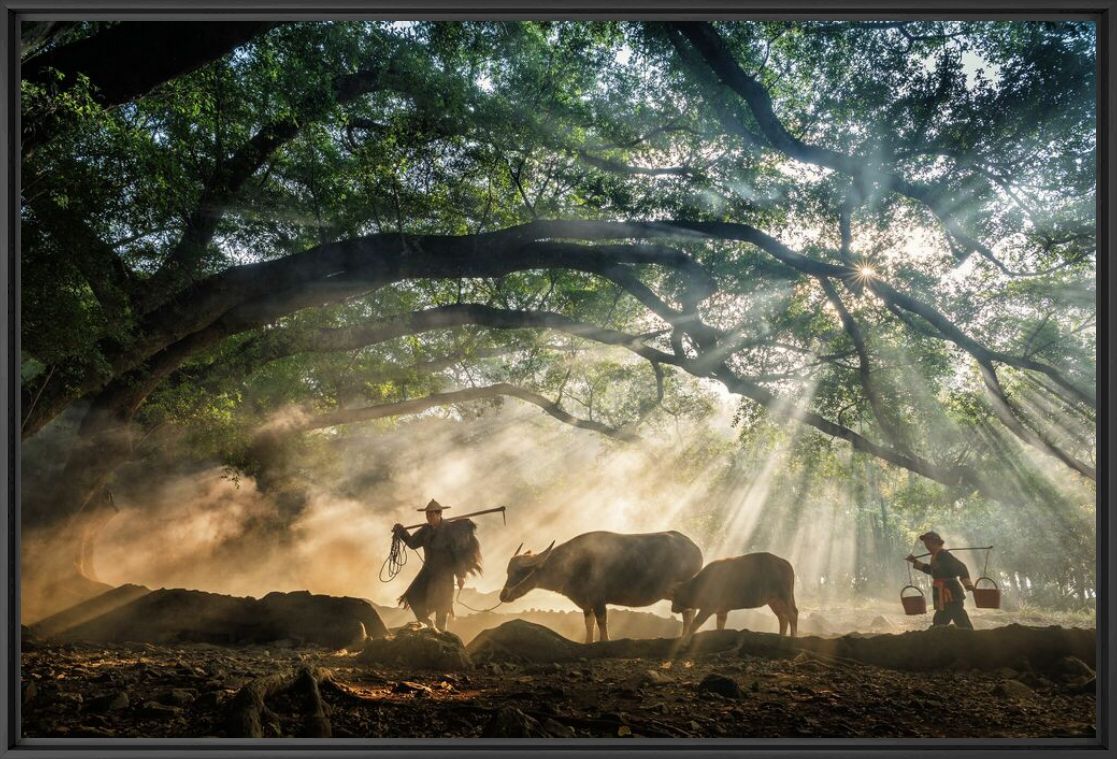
(451,552)
(945,571)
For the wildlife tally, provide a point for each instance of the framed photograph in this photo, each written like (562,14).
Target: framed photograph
(392,380)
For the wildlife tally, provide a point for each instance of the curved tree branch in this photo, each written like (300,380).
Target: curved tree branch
(181,264)
(721,61)
(417,405)
(1009,417)
(864,369)
(128,60)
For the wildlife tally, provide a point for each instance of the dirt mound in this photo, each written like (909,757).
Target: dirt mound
(1016,646)
(524,642)
(417,647)
(623,623)
(331,621)
(162,616)
(88,610)
(519,641)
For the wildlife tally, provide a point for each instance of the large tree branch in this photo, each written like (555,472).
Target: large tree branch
(110,280)
(181,264)
(864,369)
(128,60)
(280,343)
(891,296)
(721,61)
(952,476)
(255,294)
(418,405)
(1009,416)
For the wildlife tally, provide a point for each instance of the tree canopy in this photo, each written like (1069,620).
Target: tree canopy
(882,231)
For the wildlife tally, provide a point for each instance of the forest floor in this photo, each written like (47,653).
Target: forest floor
(187,690)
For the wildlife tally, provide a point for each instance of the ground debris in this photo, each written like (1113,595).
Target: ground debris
(419,648)
(189,690)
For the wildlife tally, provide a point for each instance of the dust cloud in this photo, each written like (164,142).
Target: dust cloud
(194,526)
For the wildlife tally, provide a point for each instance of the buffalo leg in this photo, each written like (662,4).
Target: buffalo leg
(722,616)
(703,615)
(587,614)
(779,608)
(602,622)
(440,621)
(688,620)
(793,615)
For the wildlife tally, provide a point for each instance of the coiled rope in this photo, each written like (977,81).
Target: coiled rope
(397,560)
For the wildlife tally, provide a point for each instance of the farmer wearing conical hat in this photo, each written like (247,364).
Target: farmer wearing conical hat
(450,550)
(945,571)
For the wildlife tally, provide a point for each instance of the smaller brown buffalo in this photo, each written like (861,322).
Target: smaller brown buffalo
(744,582)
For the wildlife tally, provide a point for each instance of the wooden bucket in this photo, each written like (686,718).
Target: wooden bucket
(987,598)
(913,604)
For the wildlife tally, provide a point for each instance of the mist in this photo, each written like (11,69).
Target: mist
(199,525)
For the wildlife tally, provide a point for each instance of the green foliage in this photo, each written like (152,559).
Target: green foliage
(472,127)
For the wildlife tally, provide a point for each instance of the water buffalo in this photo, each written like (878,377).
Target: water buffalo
(744,582)
(599,568)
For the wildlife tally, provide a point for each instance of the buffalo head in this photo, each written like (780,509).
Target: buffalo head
(679,597)
(522,573)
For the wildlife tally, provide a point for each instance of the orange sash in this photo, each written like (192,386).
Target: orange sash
(944,596)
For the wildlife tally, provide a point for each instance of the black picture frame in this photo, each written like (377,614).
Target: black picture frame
(1103,12)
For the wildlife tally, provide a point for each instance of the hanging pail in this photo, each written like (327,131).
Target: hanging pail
(913,604)
(987,598)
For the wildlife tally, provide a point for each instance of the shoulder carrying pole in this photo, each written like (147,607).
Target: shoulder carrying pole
(464,516)
(970,548)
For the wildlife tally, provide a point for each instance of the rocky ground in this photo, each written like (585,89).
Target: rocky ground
(77,689)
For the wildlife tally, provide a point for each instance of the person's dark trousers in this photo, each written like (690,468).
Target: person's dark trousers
(954,612)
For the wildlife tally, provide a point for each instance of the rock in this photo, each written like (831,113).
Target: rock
(422,648)
(409,686)
(1073,667)
(89,731)
(545,669)
(331,621)
(210,700)
(30,690)
(156,709)
(1013,689)
(109,702)
(556,729)
(177,697)
(135,613)
(509,722)
(1008,673)
(807,662)
(648,677)
(721,685)
(520,641)
(73,700)
(1084,686)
